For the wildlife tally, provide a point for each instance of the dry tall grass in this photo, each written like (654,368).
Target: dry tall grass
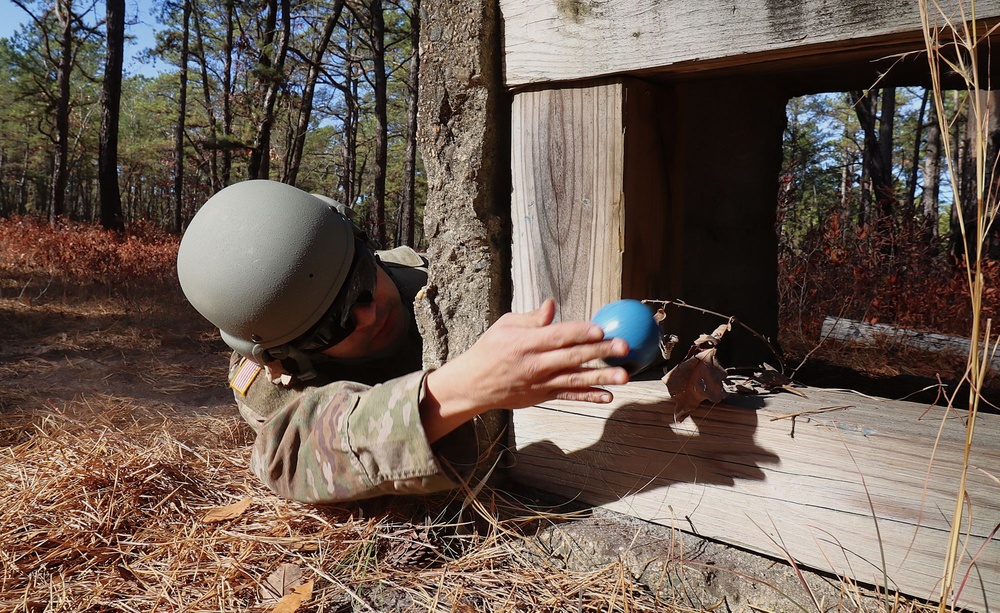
(954,41)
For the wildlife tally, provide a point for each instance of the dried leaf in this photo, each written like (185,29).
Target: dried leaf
(722,329)
(230,511)
(281,582)
(771,379)
(667,340)
(659,315)
(695,380)
(291,602)
(703,342)
(667,344)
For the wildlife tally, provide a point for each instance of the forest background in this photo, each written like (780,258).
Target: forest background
(322,94)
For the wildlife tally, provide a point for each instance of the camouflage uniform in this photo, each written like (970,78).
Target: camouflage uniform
(354,431)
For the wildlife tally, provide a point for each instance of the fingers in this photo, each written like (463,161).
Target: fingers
(569,333)
(584,378)
(594,395)
(538,318)
(580,386)
(546,312)
(566,358)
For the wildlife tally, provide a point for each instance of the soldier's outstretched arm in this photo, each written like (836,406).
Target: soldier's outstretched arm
(523,359)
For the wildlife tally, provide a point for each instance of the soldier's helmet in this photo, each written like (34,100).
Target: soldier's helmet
(277,270)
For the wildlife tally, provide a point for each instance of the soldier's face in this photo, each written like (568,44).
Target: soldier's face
(380,324)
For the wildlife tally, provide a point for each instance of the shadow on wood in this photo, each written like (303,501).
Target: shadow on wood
(642,448)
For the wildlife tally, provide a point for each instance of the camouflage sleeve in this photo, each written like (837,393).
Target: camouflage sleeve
(344,441)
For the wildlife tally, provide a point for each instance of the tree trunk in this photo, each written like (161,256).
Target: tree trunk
(111,199)
(911,181)
(294,160)
(878,154)
(408,205)
(227,93)
(846,177)
(964,170)
(381,117)
(884,188)
(60,159)
(206,90)
(349,177)
(932,175)
(992,247)
(181,115)
(22,181)
(865,181)
(260,162)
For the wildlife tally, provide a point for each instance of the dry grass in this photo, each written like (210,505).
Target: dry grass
(103,508)
(117,437)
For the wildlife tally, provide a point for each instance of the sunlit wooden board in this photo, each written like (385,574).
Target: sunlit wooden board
(827,487)
(560,40)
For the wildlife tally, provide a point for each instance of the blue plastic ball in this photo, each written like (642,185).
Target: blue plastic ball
(633,322)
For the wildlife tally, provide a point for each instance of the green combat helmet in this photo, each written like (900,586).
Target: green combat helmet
(277,270)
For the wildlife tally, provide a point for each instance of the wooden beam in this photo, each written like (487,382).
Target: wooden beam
(567,152)
(546,40)
(812,486)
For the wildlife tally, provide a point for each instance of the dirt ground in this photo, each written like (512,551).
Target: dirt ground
(156,353)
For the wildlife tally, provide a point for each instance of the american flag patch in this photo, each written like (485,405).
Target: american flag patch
(244,376)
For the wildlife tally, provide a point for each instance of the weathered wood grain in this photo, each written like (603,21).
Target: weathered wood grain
(567,152)
(744,474)
(548,40)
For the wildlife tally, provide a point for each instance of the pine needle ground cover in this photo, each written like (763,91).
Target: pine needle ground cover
(123,470)
(124,482)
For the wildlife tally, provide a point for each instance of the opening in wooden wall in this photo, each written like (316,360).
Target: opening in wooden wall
(871,286)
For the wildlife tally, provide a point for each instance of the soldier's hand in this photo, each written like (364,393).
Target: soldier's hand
(522,360)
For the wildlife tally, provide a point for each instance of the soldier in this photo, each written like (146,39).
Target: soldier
(326,364)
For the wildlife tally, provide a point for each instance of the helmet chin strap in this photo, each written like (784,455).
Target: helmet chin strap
(288,355)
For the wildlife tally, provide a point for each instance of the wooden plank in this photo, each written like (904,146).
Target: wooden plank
(567,151)
(578,39)
(744,474)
